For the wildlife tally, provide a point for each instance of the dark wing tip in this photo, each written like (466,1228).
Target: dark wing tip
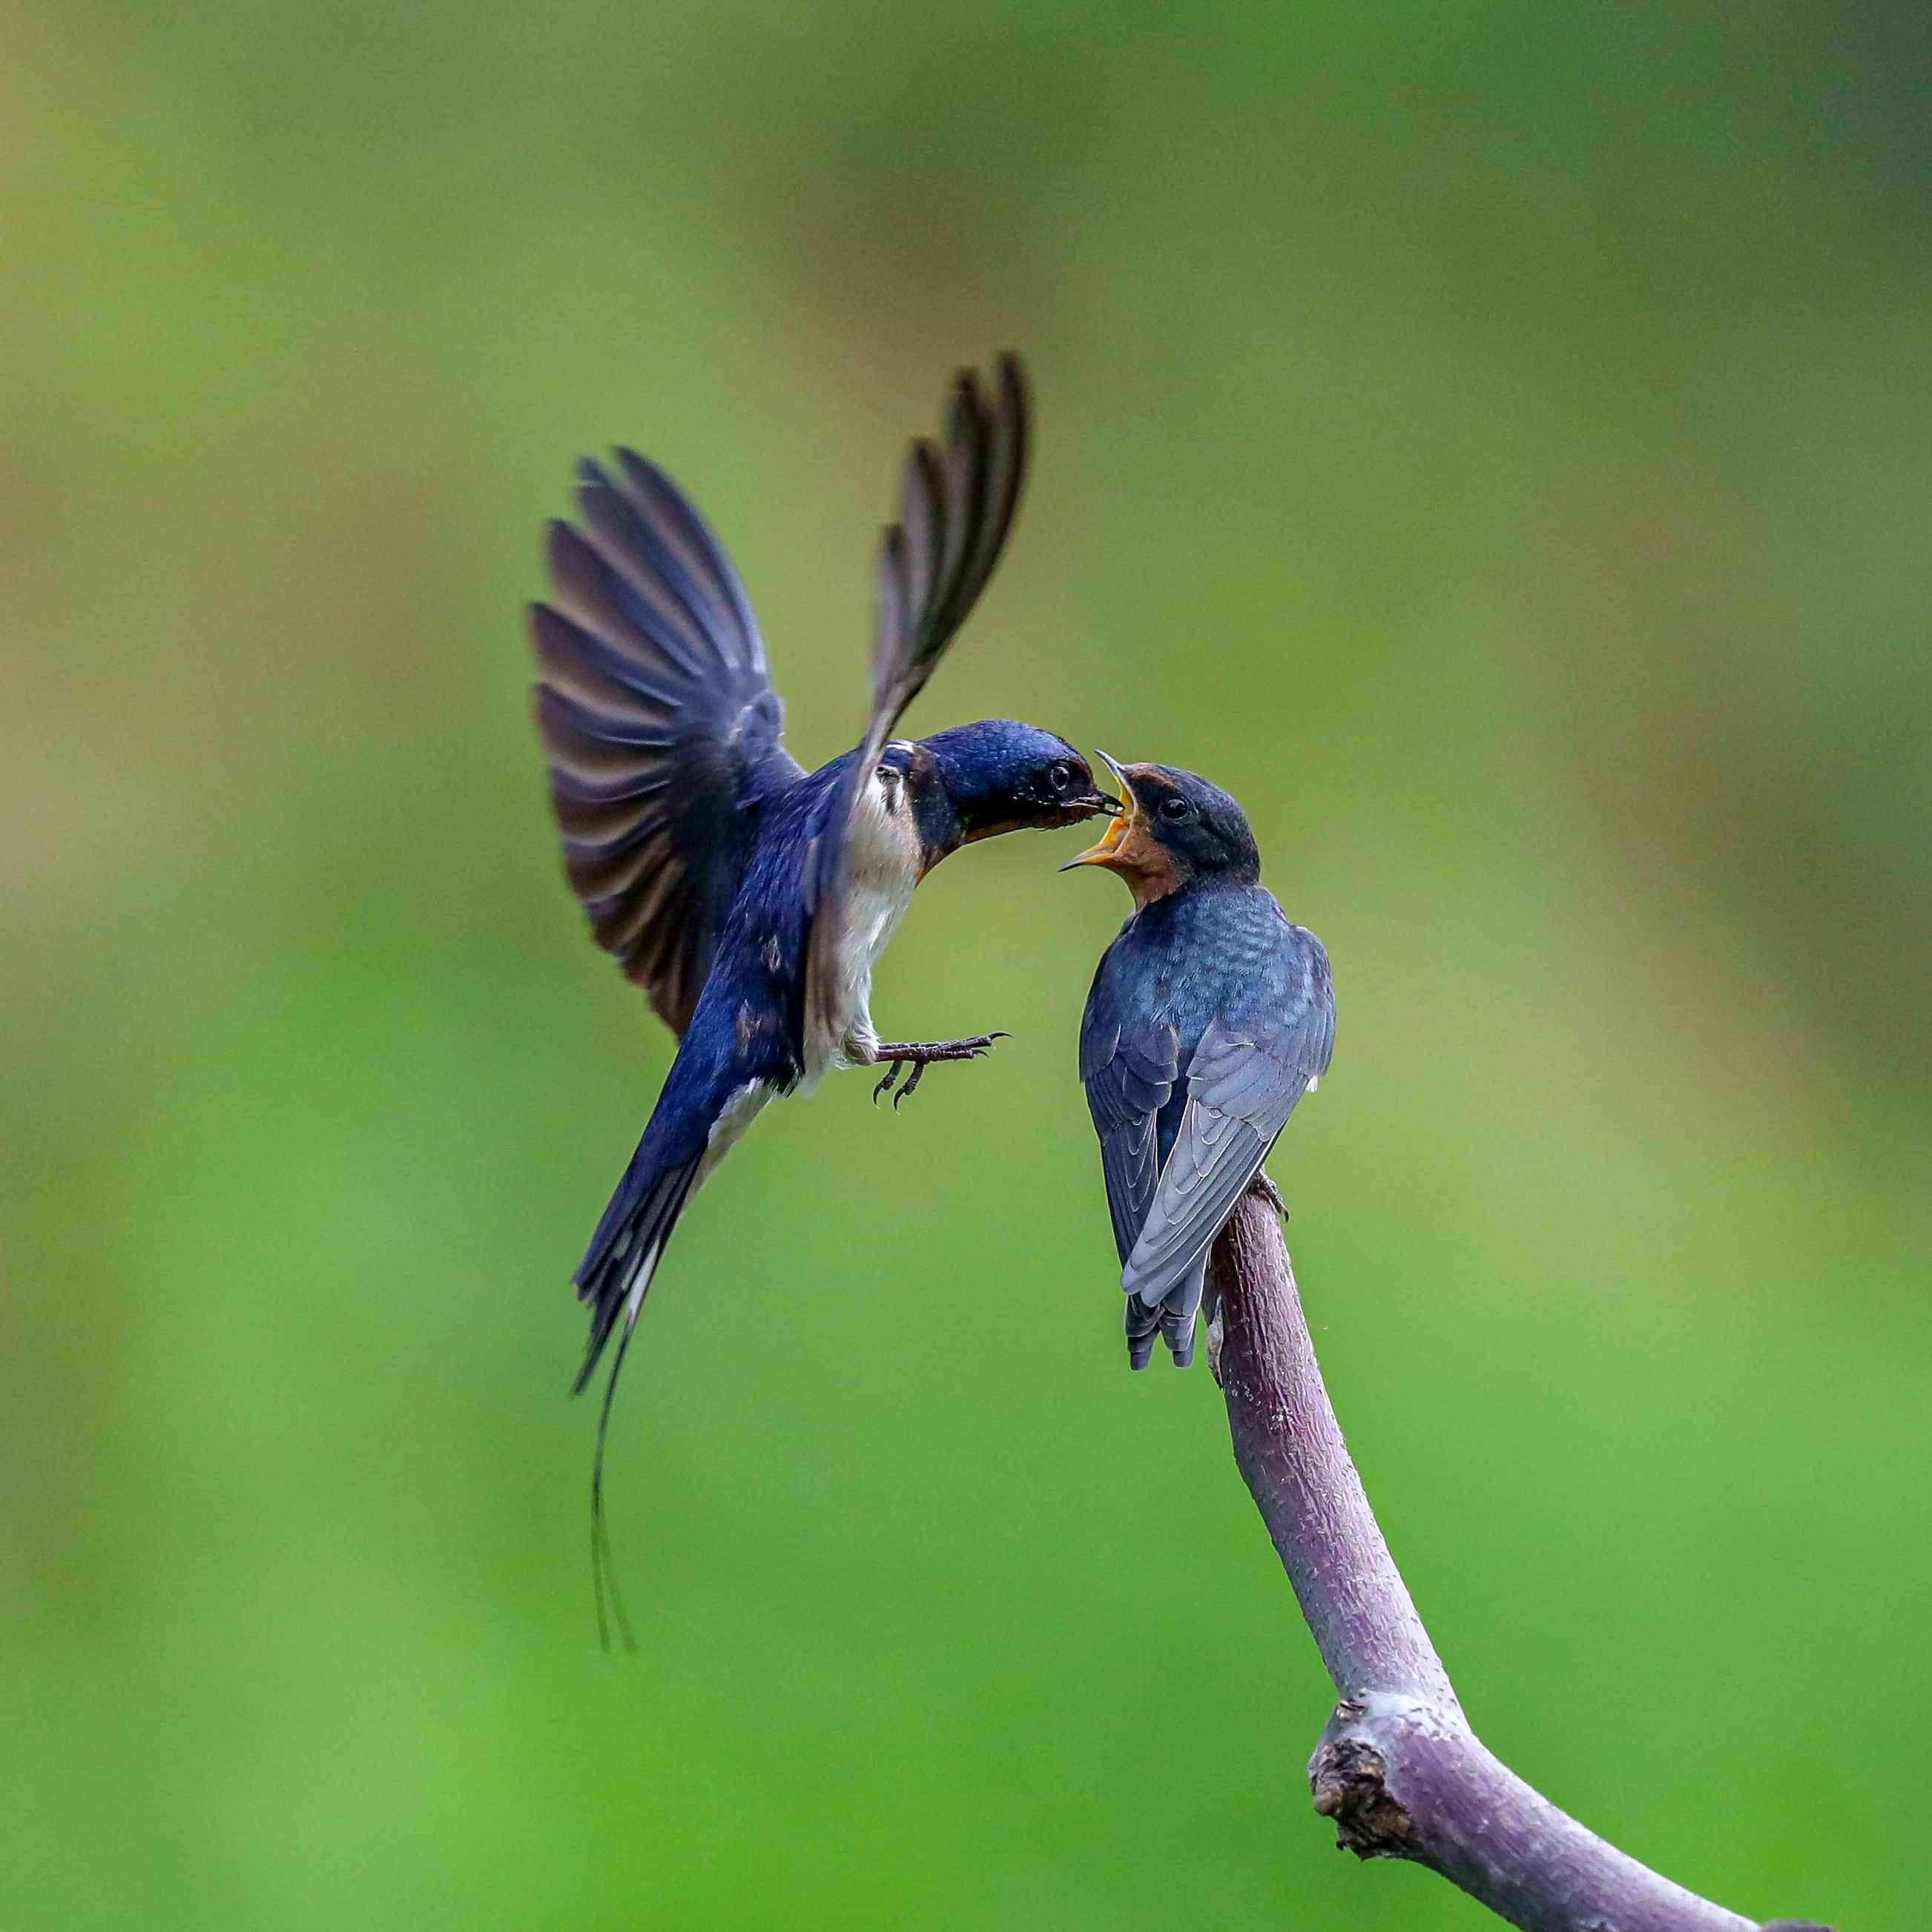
(967,401)
(1014,391)
(640,469)
(562,548)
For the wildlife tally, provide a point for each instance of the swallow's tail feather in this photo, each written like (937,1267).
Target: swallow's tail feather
(613,1278)
(1172,1318)
(615,1274)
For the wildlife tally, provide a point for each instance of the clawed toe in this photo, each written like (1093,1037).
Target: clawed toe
(919,1055)
(977,1048)
(1263,1184)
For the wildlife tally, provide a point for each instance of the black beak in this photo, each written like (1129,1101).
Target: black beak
(1124,816)
(1100,801)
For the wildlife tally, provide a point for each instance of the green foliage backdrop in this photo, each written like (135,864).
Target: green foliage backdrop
(1494,441)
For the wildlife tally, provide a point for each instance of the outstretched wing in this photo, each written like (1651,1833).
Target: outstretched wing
(1243,1082)
(955,508)
(955,511)
(658,714)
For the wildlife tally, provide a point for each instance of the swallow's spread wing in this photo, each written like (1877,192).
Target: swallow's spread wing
(955,511)
(1243,1082)
(658,713)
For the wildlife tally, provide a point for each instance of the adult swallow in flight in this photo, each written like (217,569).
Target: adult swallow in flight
(1211,1015)
(748,899)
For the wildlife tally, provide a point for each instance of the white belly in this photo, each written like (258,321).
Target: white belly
(882,869)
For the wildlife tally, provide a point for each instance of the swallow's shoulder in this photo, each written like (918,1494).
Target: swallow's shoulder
(1261,914)
(1309,949)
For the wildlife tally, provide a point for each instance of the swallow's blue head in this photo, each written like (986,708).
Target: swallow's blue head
(1178,829)
(1000,775)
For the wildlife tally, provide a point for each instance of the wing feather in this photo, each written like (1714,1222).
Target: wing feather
(1243,1082)
(1128,1071)
(657,712)
(956,506)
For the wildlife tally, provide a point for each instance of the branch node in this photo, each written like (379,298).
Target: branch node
(1348,1777)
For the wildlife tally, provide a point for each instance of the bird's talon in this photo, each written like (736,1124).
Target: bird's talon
(918,1055)
(1263,1184)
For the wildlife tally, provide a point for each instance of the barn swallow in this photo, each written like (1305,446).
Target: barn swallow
(750,899)
(1211,1015)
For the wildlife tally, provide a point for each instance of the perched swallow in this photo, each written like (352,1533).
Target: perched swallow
(1211,1015)
(748,899)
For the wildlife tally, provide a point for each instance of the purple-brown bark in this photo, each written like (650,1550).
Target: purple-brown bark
(1398,1768)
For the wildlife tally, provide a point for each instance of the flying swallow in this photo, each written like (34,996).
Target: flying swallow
(1211,1015)
(749,898)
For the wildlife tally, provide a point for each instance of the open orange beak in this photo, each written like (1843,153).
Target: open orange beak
(1122,827)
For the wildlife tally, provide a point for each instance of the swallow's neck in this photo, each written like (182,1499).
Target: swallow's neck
(913,799)
(940,833)
(915,792)
(1152,872)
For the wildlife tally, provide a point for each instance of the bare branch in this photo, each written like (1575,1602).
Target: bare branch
(1398,1768)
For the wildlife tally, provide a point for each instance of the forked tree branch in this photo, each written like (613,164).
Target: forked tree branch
(1398,1768)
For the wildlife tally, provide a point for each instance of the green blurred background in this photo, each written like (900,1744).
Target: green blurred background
(1494,441)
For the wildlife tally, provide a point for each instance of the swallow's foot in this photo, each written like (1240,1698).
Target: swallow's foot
(919,1054)
(1263,1186)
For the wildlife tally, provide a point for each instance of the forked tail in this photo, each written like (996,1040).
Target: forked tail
(613,1280)
(1172,1318)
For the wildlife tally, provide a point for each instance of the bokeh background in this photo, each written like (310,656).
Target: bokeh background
(1495,442)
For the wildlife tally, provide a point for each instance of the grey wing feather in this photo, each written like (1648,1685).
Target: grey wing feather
(657,711)
(1128,1082)
(1243,1084)
(955,508)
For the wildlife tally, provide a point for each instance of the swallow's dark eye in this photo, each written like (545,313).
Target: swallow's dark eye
(1174,808)
(1059,777)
